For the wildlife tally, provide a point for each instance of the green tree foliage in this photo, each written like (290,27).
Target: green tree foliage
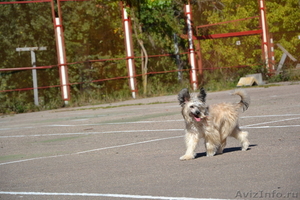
(284,25)
(154,24)
(94,31)
(26,25)
(225,52)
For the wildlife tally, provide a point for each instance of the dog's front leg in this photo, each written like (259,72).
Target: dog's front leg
(210,148)
(191,140)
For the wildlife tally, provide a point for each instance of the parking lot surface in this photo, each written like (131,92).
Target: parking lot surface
(131,150)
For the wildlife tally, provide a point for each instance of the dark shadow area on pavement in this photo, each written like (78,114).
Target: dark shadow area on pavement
(226,150)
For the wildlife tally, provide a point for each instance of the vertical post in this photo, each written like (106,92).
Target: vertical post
(272,52)
(193,74)
(34,73)
(34,79)
(281,62)
(62,62)
(177,58)
(129,51)
(265,36)
(61,52)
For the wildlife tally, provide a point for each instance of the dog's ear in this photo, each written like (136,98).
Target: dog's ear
(202,95)
(183,96)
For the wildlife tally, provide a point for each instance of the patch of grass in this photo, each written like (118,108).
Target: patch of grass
(23,156)
(12,157)
(61,139)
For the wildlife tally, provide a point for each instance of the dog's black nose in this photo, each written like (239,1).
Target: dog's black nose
(197,112)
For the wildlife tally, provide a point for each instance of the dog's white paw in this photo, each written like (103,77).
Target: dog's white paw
(245,146)
(210,154)
(187,157)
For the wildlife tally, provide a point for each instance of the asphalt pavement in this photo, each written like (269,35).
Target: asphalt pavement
(131,150)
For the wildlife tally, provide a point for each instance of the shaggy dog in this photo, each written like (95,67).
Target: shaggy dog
(213,123)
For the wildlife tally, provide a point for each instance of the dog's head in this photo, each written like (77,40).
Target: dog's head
(193,107)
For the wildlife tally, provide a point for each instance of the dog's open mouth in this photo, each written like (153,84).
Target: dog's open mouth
(197,118)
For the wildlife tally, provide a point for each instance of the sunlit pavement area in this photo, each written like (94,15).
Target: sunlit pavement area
(131,150)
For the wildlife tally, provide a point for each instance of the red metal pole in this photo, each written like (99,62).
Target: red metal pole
(61,52)
(129,51)
(193,74)
(266,47)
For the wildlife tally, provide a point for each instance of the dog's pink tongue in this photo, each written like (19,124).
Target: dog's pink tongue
(198,119)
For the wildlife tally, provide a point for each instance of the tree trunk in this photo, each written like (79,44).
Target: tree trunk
(144,53)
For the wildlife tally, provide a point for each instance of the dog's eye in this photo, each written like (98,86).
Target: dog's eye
(191,106)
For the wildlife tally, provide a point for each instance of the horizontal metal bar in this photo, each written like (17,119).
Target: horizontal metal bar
(225,35)
(25,68)
(31,49)
(17,2)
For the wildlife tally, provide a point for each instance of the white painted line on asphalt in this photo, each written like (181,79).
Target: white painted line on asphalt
(257,127)
(18,161)
(104,195)
(99,149)
(61,125)
(76,120)
(89,133)
(5,129)
(130,144)
(16,128)
(45,135)
(175,120)
(282,120)
(98,124)
(141,131)
(254,116)
(136,122)
(283,115)
(142,122)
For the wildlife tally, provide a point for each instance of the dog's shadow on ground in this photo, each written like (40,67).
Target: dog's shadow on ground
(226,150)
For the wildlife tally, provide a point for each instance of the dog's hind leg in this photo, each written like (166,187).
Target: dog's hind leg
(242,137)
(191,140)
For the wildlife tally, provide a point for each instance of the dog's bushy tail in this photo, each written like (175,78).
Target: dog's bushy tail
(245,99)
